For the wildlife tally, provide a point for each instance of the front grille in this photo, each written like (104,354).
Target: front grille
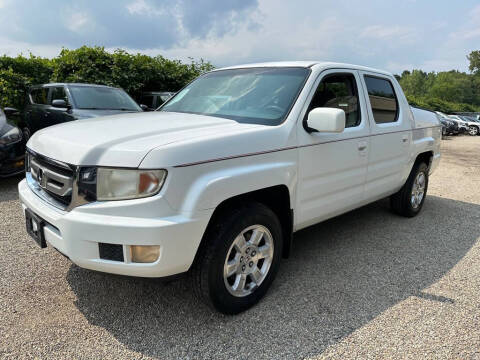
(53,178)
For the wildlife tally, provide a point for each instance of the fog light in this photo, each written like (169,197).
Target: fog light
(144,254)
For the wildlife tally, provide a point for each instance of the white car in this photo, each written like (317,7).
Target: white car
(473,125)
(462,124)
(217,180)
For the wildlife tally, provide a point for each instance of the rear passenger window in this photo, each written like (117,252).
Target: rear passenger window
(339,91)
(39,96)
(382,99)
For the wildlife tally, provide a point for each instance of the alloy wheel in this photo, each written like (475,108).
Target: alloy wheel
(248,260)
(418,190)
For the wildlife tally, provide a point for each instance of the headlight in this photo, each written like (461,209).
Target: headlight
(122,184)
(12,135)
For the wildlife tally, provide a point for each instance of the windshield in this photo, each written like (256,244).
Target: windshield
(102,98)
(254,95)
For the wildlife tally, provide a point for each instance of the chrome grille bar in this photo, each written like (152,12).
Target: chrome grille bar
(51,181)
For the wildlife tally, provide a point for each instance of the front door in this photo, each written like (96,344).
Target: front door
(333,166)
(57,115)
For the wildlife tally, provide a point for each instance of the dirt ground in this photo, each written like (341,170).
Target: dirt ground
(367,284)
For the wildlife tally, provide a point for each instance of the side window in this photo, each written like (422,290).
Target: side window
(58,93)
(339,91)
(39,96)
(382,99)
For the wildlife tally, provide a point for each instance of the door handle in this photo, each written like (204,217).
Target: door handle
(362,146)
(405,138)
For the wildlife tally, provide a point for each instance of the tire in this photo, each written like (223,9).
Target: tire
(402,202)
(220,252)
(473,130)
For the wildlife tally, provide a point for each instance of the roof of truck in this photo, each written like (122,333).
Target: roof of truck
(306,64)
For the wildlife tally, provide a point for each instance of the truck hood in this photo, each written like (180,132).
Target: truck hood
(124,140)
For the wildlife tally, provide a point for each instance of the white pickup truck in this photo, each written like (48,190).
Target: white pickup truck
(217,180)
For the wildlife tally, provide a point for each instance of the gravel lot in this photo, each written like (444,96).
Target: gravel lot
(368,284)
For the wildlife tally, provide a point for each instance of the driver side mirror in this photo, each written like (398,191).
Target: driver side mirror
(144,107)
(326,120)
(60,103)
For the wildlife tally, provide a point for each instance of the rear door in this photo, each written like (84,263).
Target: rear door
(390,138)
(333,166)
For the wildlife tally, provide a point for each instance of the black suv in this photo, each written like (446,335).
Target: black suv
(52,104)
(153,99)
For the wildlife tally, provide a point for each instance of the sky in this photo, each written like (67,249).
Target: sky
(433,35)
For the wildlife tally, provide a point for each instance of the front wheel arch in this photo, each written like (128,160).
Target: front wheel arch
(277,198)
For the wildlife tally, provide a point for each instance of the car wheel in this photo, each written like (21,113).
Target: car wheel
(408,201)
(239,259)
(473,130)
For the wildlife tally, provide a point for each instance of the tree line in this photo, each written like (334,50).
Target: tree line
(448,91)
(134,73)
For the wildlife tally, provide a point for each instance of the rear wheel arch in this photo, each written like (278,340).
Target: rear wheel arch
(425,157)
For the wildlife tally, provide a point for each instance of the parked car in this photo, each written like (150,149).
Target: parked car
(216,181)
(12,148)
(473,124)
(52,104)
(453,126)
(445,125)
(462,125)
(450,127)
(153,99)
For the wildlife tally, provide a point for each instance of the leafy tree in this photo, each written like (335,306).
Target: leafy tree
(83,65)
(448,91)
(37,69)
(452,86)
(474,59)
(12,88)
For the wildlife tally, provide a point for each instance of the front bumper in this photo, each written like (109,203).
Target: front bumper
(77,233)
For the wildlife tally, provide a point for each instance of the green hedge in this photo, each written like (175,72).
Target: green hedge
(134,73)
(12,88)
